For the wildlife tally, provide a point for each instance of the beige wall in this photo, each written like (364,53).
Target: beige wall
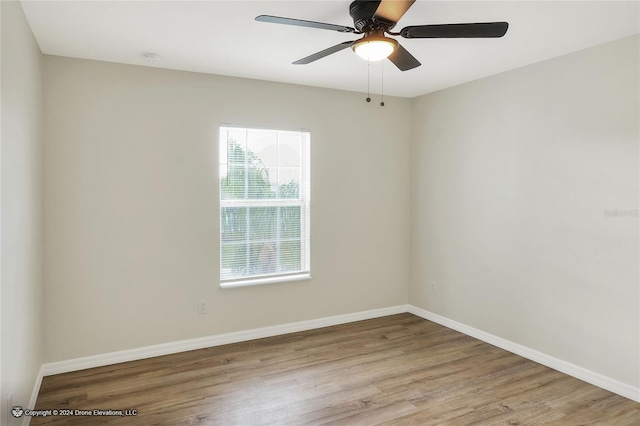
(21,207)
(511,178)
(131,205)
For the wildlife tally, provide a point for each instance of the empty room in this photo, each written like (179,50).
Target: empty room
(320,212)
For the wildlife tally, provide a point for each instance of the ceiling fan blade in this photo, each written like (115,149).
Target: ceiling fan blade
(478,30)
(303,23)
(404,60)
(323,53)
(392,10)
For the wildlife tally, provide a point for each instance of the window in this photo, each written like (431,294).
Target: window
(264,206)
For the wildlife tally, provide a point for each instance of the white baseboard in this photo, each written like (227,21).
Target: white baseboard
(581,373)
(34,396)
(215,340)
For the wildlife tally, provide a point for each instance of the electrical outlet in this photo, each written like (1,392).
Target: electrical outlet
(434,287)
(202,306)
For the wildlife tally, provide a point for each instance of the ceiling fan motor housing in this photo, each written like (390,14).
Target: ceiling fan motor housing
(362,13)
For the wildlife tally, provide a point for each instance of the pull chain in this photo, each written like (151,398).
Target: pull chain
(368,81)
(382,84)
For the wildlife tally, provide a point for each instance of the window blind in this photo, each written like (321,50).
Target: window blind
(264,203)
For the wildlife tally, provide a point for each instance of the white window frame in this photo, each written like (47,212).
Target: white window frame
(304,202)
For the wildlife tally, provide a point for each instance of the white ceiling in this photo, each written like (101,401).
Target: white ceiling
(222,37)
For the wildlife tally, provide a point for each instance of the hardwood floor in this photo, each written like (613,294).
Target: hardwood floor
(399,369)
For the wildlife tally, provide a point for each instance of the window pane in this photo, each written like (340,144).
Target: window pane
(289,182)
(233,185)
(236,153)
(233,223)
(263,144)
(290,256)
(237,135)
(258,183)
(263,258)
(289,152)
(290,222)
(289,190)
(233,261)
(262,223)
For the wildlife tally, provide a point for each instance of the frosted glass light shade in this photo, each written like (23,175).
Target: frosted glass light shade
(374,48)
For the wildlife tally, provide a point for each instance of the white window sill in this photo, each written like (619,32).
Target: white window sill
(267,280)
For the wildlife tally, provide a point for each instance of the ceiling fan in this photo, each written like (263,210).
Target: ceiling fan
(374,19)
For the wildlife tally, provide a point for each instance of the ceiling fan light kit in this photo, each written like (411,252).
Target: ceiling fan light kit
(374,47)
